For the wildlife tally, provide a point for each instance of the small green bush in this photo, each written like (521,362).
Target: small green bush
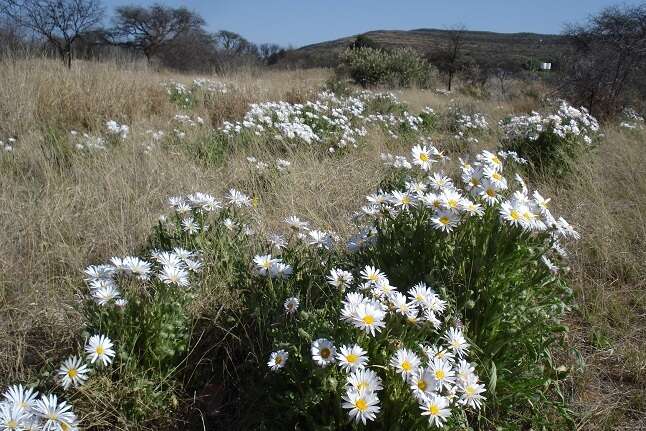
(402,67)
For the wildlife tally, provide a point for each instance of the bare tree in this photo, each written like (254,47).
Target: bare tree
(151,29)
(233,44)
(449,59)
(268,50)
(60,22)
(609,60)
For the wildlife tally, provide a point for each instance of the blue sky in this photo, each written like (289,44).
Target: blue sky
(301,22)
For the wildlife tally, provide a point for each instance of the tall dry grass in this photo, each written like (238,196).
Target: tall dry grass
(607,200)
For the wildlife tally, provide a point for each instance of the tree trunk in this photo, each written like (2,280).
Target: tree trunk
(450,80)
(69,59)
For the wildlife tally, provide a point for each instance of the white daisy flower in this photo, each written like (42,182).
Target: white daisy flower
(445,220)
(174,275)
(369,318)
(13,417)
(99,348)
(56,416)
(21,397)
(403,200)
(278,360)
(436,407)
(406,362)
(291,305)
(470,392)
(363,405)
(73,371)
(422,383)
(264,263)
(323,352)
(238,199)
(340,278)
(372,274)
(443,374)
(456,341)
(422,157)
(364,380)
(352,358)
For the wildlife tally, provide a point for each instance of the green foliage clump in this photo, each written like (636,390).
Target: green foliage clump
(401,67)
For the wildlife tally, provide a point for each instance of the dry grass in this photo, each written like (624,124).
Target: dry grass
(61,212)
(607,199)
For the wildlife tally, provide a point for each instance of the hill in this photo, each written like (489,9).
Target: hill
(488,49)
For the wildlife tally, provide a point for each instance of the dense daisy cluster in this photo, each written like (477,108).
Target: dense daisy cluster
(438,375)
(211,86)
(169,267)
(24,409)
(632,119)
(185,96)
(342,120)
(115,129)
(483,186)
(261,166)
(566,121)
(464,124)
(87,142)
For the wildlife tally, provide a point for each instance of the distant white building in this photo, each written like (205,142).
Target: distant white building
(546,66)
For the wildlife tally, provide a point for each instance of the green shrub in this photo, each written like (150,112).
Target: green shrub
(402,67)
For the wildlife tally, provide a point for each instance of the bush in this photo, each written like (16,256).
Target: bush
(550,143)
(402,67)
(493,259)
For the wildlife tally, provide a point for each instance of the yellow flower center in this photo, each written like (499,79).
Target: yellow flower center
(325,353)
(406,366)
(495,160)
(278,360)
(100,350)
(515,215)
(372,277)
(362,386)
(475,182)
(12,423)
(361,405)
(72,373)
(470,390)
(434,409)
(444,220)
(405,200)
(491,192)
(439,374)
(424,157)
(421,385)
(496,176)
(351,358)
(452,203)
(368,319)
